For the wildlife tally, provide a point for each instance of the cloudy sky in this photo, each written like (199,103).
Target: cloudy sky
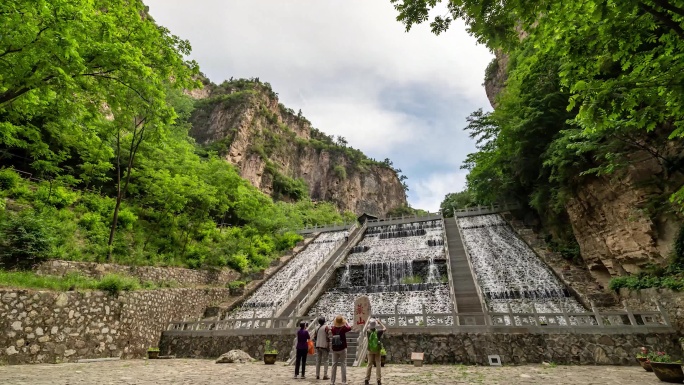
(353,71)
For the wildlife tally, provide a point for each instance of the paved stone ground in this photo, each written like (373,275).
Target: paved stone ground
(205,372)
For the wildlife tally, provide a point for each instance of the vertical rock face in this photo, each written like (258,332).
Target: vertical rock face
(616,232)
(495,76)
(269,143)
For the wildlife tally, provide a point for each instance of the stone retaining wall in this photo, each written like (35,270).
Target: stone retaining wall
(50,327)
(198,346)
(466,348)
(473,348)
(181,276)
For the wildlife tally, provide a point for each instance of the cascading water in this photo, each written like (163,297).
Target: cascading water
(510,273)
(273,294)
(398,267)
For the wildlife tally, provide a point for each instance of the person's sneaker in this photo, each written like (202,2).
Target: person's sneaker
(318,378)
(302,377)
(326,377)
(366,383)
(379,382)
(295,377)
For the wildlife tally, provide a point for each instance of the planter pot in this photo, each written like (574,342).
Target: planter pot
(270,358)
(153,355)
(668,371)
(645,363)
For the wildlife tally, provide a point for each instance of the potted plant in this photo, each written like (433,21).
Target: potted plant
(664,368)
(236,287)
(153,353)
(270,354)
(642,357)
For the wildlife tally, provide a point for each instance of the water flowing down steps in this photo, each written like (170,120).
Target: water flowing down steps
(292,305)
(467,299)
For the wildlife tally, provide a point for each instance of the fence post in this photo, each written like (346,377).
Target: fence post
(663,312)
(510,314)
(424,316)
(536,317)
(632,320)
(596,313)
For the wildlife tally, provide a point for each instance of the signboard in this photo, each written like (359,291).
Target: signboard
(362,311)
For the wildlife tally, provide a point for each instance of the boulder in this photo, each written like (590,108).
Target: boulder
(234,356)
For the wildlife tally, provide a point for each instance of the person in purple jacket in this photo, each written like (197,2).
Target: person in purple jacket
(302,348)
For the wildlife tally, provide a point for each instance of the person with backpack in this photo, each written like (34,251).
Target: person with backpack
(339,347)
(374,346)
(322,336)
(302,348)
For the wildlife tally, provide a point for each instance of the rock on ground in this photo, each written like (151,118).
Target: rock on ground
(234,356)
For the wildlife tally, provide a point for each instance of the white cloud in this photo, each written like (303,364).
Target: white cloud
(352,70)
(431,190)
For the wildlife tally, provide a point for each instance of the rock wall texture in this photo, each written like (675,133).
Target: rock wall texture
(50,327)
(159,275)
(262,138)
(469,348)
(198,346)
(495,78)
(466,348)
(616,231)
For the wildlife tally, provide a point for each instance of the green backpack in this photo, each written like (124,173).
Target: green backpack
(373,342)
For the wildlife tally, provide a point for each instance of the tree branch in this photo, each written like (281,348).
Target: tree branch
(664,18)
(666,5)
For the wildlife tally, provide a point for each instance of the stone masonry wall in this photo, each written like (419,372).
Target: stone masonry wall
(44,326)
(466,348)
(197,346)
(181,276)
(473,348)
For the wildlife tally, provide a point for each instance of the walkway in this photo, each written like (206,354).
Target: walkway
(205,372)
(467,299)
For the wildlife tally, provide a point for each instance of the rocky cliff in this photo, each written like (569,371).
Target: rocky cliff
(280,152)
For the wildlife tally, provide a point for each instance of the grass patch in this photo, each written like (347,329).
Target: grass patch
(111,283)
(411,280)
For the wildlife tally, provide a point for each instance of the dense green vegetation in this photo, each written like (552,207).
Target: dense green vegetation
(592,87)
(111,283)
(92,109)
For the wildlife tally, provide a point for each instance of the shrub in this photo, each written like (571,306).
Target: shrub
(126,219)
(113,284)
(239,262)
(90,221)
(236,285)
(56,196)
(25,240)
(287,241)
(9,179)
(340,171)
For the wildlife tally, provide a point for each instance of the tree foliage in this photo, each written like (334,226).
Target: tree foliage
(92,105)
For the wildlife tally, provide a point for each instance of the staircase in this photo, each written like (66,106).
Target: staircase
(465,291)
(352,341)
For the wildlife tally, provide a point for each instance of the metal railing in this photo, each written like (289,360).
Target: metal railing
(404,219)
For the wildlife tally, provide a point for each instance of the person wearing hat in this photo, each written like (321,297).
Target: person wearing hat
(373,337)
(339,347)
(322,336)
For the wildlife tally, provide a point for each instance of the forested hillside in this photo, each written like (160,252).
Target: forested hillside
(96,161)
(588,125)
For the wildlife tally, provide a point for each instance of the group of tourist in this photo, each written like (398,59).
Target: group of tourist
(334,339)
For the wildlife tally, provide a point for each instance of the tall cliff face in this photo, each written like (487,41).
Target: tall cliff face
(273,148)
(615,223)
